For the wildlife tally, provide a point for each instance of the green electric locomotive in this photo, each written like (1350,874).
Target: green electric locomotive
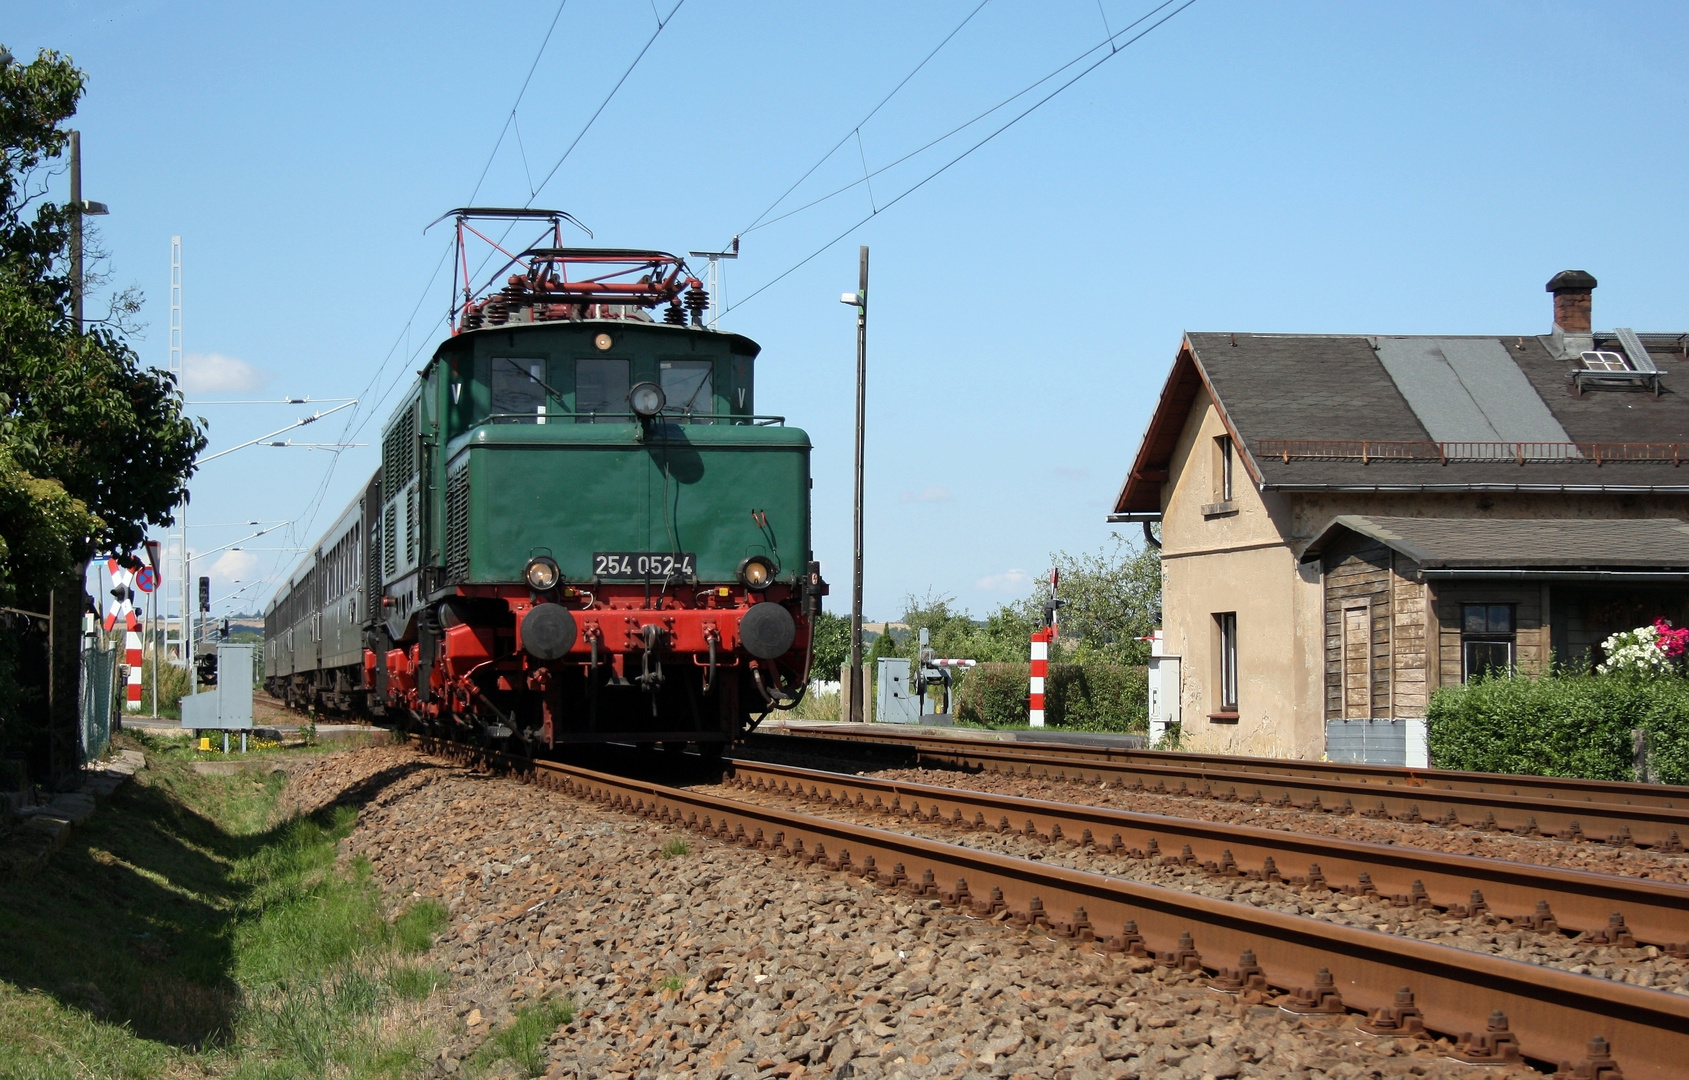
(581,531)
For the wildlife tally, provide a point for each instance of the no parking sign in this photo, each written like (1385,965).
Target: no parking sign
(146,579)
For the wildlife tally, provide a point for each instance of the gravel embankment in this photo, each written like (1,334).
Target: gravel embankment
(727,962)
(1645,966)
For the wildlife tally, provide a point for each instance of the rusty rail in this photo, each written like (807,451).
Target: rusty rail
(1650,912)
(1540,1014)
(1655,826)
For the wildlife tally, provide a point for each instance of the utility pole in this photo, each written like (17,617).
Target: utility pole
(860,301)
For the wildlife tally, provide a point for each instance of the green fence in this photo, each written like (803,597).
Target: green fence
(94,695)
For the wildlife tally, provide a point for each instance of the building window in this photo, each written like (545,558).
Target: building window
(1605,361)
(1223,468)
(1487,638)
(1227,624)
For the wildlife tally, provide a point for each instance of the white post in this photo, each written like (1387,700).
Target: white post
(1040,668)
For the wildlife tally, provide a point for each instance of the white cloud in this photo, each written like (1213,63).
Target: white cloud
(234,566)
(1014,581)
(934,494)
(214,373)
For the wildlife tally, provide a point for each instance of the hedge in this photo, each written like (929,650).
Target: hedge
(1562,725)
(1078,697)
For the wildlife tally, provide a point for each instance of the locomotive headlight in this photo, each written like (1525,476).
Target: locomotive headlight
(756,572)
(602,342)
(646,400)
(542,573)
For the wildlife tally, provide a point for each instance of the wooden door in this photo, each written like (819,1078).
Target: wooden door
(1357,662)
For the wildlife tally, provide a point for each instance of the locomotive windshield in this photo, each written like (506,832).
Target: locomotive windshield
(516,387)
(601,386)
(688,388)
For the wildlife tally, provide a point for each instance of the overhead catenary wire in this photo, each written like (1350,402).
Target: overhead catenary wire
(510,118)
(1114,49)
(593,119)
(867,177)
(652,40)
(857,129)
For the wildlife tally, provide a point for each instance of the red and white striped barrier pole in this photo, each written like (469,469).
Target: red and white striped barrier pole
(132,646)
(1040,668)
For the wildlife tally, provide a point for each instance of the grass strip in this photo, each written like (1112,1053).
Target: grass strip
(183,930)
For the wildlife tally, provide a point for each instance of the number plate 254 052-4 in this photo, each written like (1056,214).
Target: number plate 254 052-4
(640,566)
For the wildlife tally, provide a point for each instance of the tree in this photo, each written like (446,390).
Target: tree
(94,447)
(1111,598)
(832,645)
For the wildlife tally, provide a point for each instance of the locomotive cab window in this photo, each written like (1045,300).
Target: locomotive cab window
(515,388)
(688,388)
(601,386)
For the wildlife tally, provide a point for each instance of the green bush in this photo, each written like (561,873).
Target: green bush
(1077,697)
(1562,725)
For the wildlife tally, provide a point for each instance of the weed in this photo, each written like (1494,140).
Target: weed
(672,982)
(414,982)
(522,1042)
(675,847)
(419,923)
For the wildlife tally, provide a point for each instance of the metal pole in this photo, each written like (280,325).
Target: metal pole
(189,601)
(76,229)
(856,680)
(152,604)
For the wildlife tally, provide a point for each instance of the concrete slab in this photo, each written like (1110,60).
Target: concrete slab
(75,806)
(1047,735)
(230,768)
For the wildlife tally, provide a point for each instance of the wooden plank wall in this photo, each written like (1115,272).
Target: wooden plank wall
(1412,662)
(1532,648)
(1359,573)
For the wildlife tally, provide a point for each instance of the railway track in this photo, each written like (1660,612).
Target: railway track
(1581,819)
(1501,1010)
(1648,912)
(1572,789)
(1666,796)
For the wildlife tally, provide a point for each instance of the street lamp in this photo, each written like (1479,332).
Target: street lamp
(79,209)
(858,300)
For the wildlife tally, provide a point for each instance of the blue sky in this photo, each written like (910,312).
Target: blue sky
(1383,168)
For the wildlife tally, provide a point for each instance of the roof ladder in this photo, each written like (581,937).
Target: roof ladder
(1639,358)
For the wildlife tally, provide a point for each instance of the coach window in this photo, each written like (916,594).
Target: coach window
(688,388)
(601,386)
(1487,638)
(516,388)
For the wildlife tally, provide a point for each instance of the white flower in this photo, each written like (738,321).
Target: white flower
(1634,651)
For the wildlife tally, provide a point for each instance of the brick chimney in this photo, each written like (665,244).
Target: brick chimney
(1572,302)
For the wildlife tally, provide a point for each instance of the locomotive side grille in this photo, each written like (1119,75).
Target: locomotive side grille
(373,566)
(457,526)
(410,525)
(389,542)
(398,455)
